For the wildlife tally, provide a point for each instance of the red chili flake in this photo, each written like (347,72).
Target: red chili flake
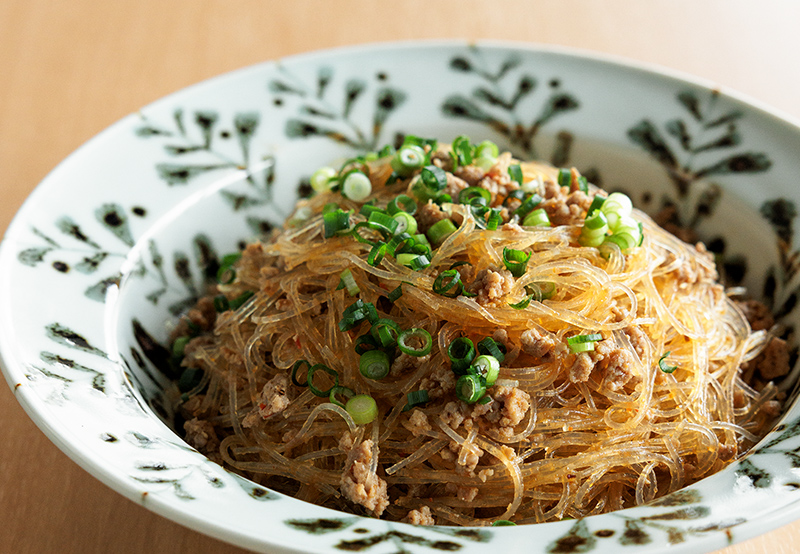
(262,406)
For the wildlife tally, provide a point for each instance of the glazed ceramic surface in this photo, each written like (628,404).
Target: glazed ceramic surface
(123,235)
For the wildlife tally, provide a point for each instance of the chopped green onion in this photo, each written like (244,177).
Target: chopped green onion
(491,347)
(443,198)
(597,203)
(564,177)
(487,149)
(440,230)
(522,304)
(221,303)
(409,336)
(356,232)
(386,332)
(226,273)
(434,178)
(401,203)
(400,243)
(344,391)
(336,222)
(487,367)
(374,364)
(469,388)
(623,240)
(408,159)
(239,301)
(515,172)
(516,261)
(348,281)
(396,294)
(310,379)
(662,364)
(583,184)
(416,398)
(516,194)
(414,261)
(368,208)
(376,254)
(583,343)
(448,283)
(594,229)
(616,206)
(357,186)
(362,408)
(405,223)
(537,218)
(470,193)
(461,151)
(179,346)
(320,179)
(461,353)
(382,222)
(365,343)
(330,207)
(494,219)
(503,523)
(357,312)
(528,205)
(190,377)
(297,367)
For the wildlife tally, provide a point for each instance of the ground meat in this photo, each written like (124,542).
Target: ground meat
(452,415)
(201,435)
(638,339)
(726,452)
(693,271)
(516,403)
(422,516)
(490,285)
(417,423)
(465,494)
(561,213)
(615,362)
(581,368)
(191,351)
(757,314)
(202,316)
(404,362)
(537,344)
(471,174)
(427,215)
(361,486)
(440,382)
(455,185)
(774,361)
(272,399)
(512,226)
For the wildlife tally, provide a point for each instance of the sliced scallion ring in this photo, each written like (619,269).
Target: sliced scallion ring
(362,408)
(357,186)
(408,159)
(386,332)
(491,347)
(448,283)
(487,367)
(408,339)
(516,261)
(583,343)
(401,203)
(310,379)
(346,392)
(440,230)
(320,179)
(461,352)
(470,193)
(416,398)
(298,366)
(663,366)
(469,388)
(405,223)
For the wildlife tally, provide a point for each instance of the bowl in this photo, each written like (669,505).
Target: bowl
(121,236)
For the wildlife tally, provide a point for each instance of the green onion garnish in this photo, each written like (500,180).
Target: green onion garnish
(377,253)
(515,172)
(522,304)
(374,364)
(408,159)
(516,261)
(400,243)
(528,205)
(365,343)
(239,301)
(537,218)
(406,340)
(221,303)
(190,377)
(597,203)
(357,186)
(491,347)
(440,230)
(434,178)
(401,203)
(503,523)
(487,149)
(357,312)
(662,364)
(487,367)
(469,388)
(336,222)
(362,408)
(348,282)
(405,223)
(594,229)
(310,379)
(583,184)
(320,179)
(226,273)
(339,390)
(395,294)
(416,398)
(386,332)
(494,219)
(298,365)
(467,195)
(382,222)
(564,177)
(448,283)
(462,151)
(368,208)
(583,343)
(461,353)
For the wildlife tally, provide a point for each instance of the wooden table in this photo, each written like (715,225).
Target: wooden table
(69,69)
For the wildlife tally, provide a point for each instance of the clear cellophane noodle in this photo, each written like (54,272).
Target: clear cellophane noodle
(581,449)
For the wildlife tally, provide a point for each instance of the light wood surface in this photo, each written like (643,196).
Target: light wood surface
(68,69)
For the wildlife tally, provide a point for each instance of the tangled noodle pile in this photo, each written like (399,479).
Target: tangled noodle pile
(619,363)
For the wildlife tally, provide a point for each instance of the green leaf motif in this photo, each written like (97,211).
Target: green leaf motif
(321,526)
(577,540)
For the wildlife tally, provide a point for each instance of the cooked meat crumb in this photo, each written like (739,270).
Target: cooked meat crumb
(361,486)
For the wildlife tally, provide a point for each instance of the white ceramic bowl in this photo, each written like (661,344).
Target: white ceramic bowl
(118,236)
